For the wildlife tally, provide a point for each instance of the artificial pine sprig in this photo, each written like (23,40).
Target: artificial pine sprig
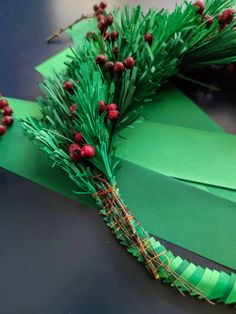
(110,77)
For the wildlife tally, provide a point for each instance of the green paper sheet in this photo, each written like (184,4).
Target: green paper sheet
(171,106)
(207,222)
(183,153)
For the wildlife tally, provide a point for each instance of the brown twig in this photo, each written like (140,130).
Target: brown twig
(61,30)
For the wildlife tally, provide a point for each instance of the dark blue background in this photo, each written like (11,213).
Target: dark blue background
(57,257)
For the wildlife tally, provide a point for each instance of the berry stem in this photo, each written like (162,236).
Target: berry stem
(62,30)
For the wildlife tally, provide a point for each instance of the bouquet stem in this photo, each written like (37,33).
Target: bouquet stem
(128,230)
(63,29)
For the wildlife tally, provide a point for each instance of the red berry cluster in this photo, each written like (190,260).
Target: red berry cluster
(79,151)
(112,110)
(224,18)
(118,67)
(7,119)
(99,8)
(104,21)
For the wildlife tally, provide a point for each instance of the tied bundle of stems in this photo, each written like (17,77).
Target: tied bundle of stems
(110,77)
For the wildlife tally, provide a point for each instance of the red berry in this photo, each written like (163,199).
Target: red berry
(226,16)
(7,111)
(109,19)
(109,66)
(95,7)
(113,115)
(209,21)
(200,4)
(68,86)
(148,38)
(102,25)
(7,120)
(79,137)
(115,51)
(112,107)
(119,68)
(103,5)
(101,59)
(114,35)
(73,109)
(102,106)
(87,151)
(3,129)
(75,152)
(129,63)
(3,103)
(88,35)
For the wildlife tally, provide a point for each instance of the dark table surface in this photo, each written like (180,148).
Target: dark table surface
(56,256)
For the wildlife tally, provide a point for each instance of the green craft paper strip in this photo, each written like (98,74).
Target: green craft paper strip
(176,262)
(229,288)
(170,202)
(232,297)
(182,267)
(188,154)
(214,278)
(203,285)
(221,285)
(171,106)
(187,273)
(197,275)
